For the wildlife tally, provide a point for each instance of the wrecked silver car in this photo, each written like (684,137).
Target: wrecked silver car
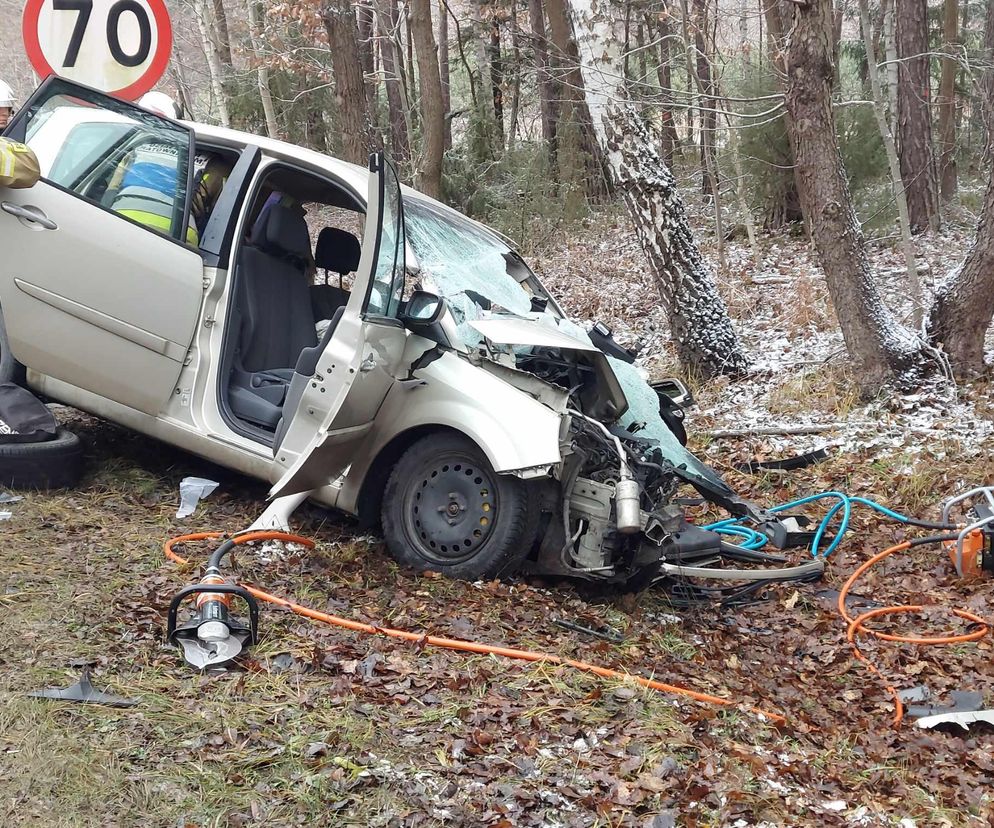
(348,339)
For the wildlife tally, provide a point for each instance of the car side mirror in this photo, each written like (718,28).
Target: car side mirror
(675,389)
(423,310)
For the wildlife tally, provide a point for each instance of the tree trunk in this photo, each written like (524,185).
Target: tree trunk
(512,123)
(488,96)
(963,306)
(367,54)
(893,162)
(665,76)
(575,111)
(914,114)
(785,208)
(496,60)
(400,145)
(987,79)
(222,38)
(705,85)
(262,71)
(890,57)
(343,40)
(214,71)
(443,70)
(546,92)
(702,332)
(947,102)
(432,112)
(878,345)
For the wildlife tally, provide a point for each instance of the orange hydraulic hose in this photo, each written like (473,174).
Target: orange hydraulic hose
(856,625)
(445,643)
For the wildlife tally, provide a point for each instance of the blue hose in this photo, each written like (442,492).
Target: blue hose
(756,540)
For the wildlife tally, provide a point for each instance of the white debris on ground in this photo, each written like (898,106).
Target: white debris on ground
(800,375)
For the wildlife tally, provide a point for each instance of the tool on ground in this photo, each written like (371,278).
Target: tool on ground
(213,636)
(83,692)
(422,640)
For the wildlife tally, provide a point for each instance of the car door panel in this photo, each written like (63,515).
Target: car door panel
(357,367)
(97,300)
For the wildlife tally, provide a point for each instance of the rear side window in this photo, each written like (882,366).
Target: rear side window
(114,155)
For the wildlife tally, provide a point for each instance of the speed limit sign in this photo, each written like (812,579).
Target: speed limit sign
(118,46)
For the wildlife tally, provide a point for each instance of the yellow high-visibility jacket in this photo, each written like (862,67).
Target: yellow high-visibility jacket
(18,165)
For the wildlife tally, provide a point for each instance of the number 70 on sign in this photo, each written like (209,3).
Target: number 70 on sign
(118,46)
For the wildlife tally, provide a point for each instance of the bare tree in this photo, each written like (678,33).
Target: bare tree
(342,30)
(705,340)
(878,345)
(222,38)
(262,70)
(964,303)
(893,162)
(214,71)
(443,69)
(546,91)
(389,54)
(914,99)
(664,75)
(947,101)
(432,112)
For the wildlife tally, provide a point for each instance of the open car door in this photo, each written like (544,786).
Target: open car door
(100,279)
(337,391)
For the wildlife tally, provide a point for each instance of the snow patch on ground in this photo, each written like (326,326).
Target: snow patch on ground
(800,374)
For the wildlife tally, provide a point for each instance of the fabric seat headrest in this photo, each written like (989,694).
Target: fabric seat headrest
(285,233)
(337,250)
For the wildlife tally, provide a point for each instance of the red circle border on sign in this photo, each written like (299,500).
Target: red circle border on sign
(156,69)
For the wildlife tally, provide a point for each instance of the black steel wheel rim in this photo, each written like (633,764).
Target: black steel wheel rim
(450,509)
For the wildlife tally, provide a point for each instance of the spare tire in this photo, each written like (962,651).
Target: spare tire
(51,464)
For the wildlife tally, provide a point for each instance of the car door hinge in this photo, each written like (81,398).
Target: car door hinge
(206,283)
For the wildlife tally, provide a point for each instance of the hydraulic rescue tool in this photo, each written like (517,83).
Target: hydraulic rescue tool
(212,637)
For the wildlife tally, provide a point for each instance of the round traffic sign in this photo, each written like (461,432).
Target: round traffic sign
(118,46)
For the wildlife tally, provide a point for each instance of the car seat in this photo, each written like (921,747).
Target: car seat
(275,322)
(337,251)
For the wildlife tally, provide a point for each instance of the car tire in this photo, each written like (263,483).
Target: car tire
(445,509)
(51,464)
(10,369)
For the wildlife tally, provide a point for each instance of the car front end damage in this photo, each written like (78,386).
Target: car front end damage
(612,510)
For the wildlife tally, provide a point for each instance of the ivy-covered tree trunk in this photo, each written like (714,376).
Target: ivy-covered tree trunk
(879,346)
(705,340)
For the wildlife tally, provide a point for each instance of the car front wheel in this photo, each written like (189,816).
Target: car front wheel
(445,509)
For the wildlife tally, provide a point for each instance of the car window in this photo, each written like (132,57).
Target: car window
(123,159)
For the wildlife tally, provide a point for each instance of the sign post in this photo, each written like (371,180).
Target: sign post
(121,47)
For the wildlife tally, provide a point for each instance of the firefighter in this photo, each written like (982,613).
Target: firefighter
(6,104)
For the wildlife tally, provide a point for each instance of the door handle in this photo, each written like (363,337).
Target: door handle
(32,214)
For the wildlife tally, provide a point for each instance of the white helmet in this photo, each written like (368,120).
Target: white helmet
(160,103)
(6,95)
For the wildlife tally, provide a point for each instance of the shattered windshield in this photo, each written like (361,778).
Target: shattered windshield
(472,269)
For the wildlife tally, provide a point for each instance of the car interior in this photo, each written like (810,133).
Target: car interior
(291,286)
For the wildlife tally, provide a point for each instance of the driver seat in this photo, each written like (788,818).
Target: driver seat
(276,320)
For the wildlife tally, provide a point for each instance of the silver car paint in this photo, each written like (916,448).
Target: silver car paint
(517,432)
